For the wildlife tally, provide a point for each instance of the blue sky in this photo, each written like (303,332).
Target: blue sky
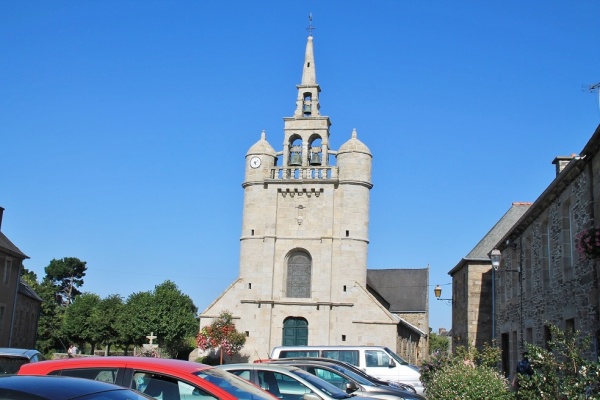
(124,124)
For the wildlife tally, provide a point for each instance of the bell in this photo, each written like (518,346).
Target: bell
(295,159)
(307,109)
(315,159)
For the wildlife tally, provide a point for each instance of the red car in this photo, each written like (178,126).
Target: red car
(157,377)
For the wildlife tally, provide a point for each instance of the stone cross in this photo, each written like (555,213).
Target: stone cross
(151,338)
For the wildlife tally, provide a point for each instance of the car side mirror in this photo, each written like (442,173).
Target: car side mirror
(351,387)
(392,363)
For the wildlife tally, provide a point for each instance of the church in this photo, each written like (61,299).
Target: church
(303,276)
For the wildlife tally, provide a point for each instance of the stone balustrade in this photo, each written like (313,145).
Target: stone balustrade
(304,173)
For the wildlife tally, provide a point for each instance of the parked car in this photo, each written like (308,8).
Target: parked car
(288,382)
(158,377)
(348,380)
(12,358)
(378,361)
(353,368)
(16,387)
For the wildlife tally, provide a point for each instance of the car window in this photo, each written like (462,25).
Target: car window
(156,385)
(98,374)
(232,384)
(330,376)
(10,365)
(282,386)
(349,356)
(298,353)
(377,358)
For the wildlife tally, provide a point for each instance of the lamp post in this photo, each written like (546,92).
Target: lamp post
(495,256)
(438,292)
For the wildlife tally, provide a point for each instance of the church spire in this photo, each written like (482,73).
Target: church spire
(307,104)
(309,74)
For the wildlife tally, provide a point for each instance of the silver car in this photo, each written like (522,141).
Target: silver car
(288,382)
(12,358)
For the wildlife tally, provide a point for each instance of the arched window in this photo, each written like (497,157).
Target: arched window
(298,275)
(295,332)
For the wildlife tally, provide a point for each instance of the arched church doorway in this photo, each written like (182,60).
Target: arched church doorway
(295,332)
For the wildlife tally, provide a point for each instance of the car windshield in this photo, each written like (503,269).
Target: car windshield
(396,357)
(238,387)
(11,365)
(325,386)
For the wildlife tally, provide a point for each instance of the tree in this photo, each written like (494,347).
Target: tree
(166,311)
(81,320)
(108,312)
(438,343)
(176,315)
(50,321)
(221,335)
(67,274)
(137,319)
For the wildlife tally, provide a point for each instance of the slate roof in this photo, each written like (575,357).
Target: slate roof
(486,244)
(26,290)
(405,290)
(6,246)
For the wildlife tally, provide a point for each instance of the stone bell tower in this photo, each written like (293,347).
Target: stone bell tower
(305,233)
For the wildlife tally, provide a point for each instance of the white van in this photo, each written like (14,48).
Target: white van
(378,361)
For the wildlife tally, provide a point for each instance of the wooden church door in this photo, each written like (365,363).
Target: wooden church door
(295,332)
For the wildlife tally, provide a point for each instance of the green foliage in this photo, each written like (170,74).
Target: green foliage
(467,382)
(208,360)
(50,321)
(564,372)
(107,318)
(468,374)
(29,277)
(67,275)
(438,343)
(176,318)
(80,323)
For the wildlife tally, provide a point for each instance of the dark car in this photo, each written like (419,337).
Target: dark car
(11,359)
(348,380)
(28,387)
(355,369)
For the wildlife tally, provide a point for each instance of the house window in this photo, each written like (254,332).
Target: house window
(527,267)
(546,250)
(299,275)
(567,239)
(7,268)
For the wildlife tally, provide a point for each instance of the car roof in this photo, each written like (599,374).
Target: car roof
(115,361)
(54,386)
(264,366)
(17,352)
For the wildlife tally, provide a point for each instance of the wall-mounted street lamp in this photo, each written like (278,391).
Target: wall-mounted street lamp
(438,292)
(495,257)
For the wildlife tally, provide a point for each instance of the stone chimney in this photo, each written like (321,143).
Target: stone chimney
(562,161)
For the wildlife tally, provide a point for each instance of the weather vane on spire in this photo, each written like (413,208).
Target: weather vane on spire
(311,27)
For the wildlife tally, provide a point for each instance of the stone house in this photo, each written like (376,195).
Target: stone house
(542,278)
(472,285)
(303,276)
(19,304)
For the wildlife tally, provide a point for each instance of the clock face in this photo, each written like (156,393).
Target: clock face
(255,162)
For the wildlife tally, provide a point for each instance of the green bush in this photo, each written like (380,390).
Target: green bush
(467,382)
(564,371)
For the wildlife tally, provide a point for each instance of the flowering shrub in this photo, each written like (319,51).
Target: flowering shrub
(222,335)
(588,243)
